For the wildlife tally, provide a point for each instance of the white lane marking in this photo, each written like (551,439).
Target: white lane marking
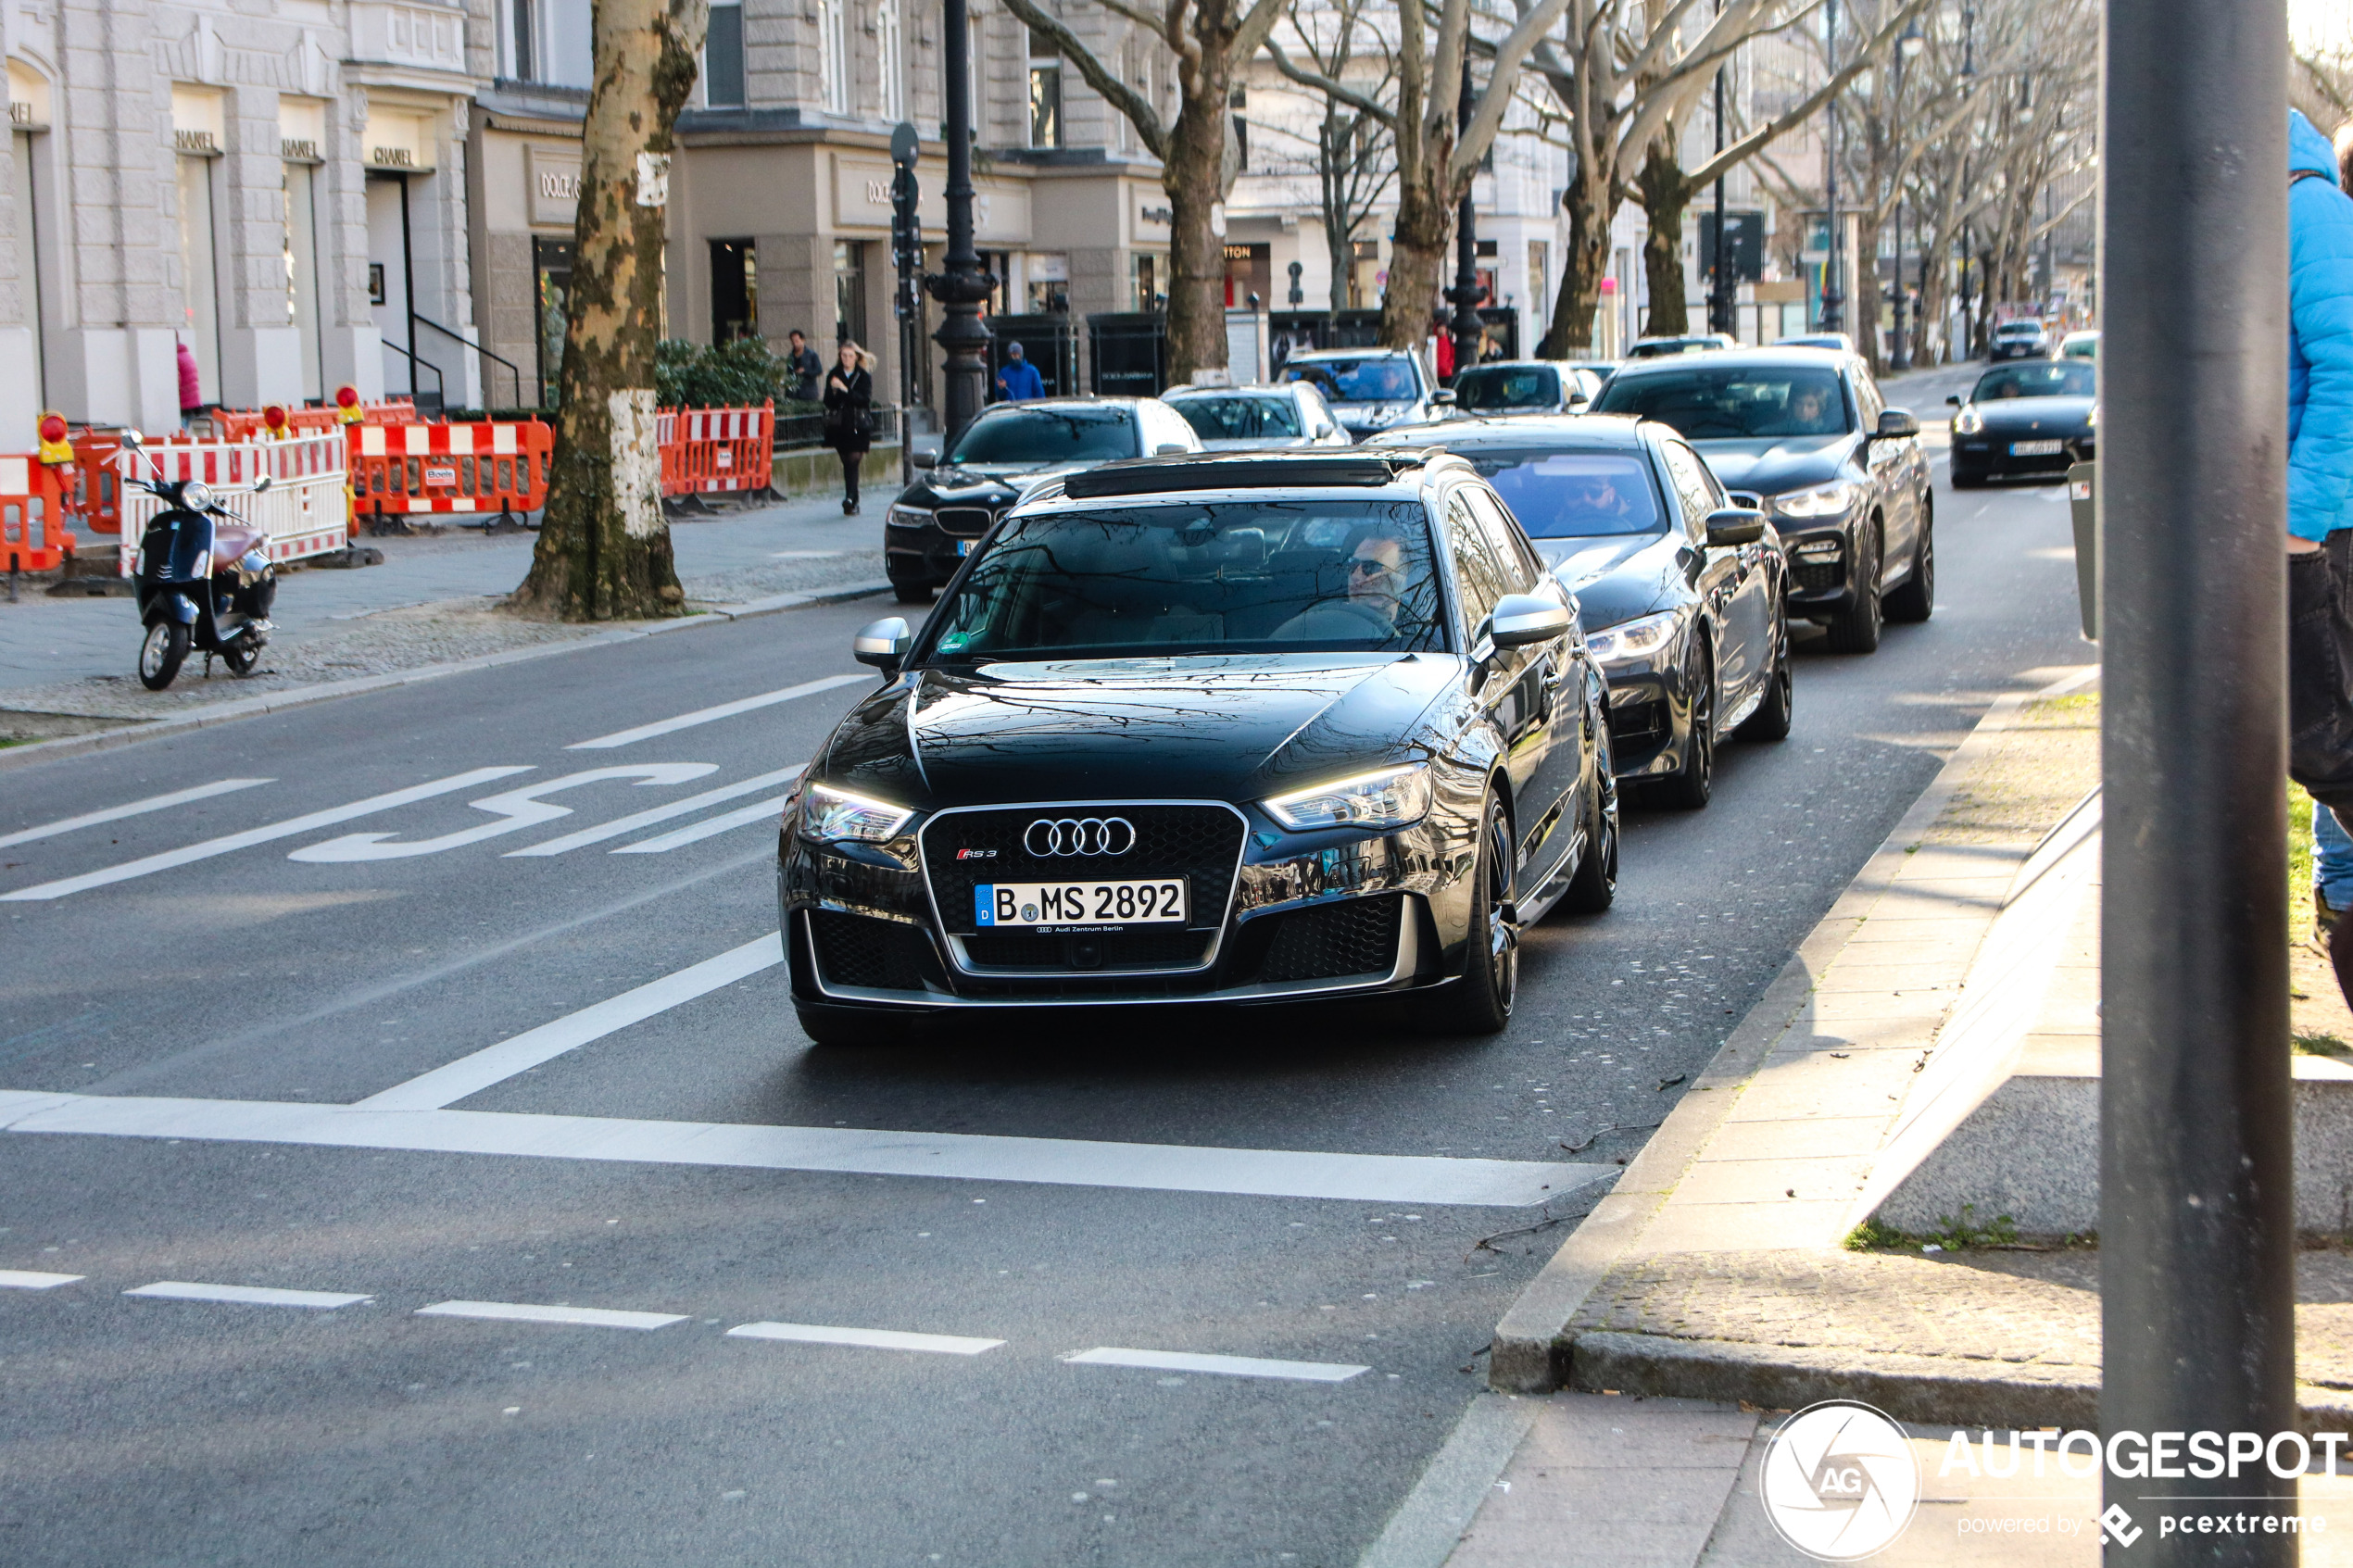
(33,1279)
(151,864)
(766,810)
(496,1064)
(516,809)
(1363,1178)
(520,1312)
(870,1338)
(244,1295)
(137,807)
(1222,1366)
(710,715)
(619,826)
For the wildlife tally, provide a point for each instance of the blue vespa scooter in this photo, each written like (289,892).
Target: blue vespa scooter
(203,579)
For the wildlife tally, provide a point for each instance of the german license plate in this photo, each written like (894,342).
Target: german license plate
(440,476)
(1062,904)
(2037,448)
(964,547)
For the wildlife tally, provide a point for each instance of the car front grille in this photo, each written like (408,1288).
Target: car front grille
(964,522)
(1819,577)
(875,955)
(1332,941)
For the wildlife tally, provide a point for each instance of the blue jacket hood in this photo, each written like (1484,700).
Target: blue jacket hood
(2307,148)
(2320,340)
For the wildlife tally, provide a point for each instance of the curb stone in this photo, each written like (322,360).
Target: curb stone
(1530,1351)
(253,707)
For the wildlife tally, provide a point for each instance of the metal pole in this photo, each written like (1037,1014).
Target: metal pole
(1465,293)
(1834,280)
(2198,1217)
(965,284)
(1720,287)
(1902,359)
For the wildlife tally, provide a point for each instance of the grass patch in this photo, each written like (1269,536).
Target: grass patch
(2324,1044)
(1951,1234)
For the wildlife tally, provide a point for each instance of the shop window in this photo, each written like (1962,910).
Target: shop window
(302,272)
(735,290)
(199,285)
(849,291)
(551,290)
(1045,91)
(723,57)
(1143,281)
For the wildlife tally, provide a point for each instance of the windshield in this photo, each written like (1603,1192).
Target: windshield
(2018,328)
(1507,386)
(1081,434)
(1267,576)
(1386,379)
(1239,419)
(1565,494)
(1730,404)
(2053,379)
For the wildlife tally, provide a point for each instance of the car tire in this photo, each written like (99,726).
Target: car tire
(1915,600)
(911,592)
(1595,887)
(161,653)
(1856,628)
(1771,719)
(1480,1001)
(853,1028)
(1691,788)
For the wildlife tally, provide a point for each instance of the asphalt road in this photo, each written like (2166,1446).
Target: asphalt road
(179,1045)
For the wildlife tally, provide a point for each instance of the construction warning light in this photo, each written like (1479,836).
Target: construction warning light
(347,405)
(273,419)
(54,447)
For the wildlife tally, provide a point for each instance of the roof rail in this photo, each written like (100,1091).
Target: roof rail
(1148,476)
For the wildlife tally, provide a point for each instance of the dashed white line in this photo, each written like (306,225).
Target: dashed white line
(711,715)
(150,864)
(1219,1366)
(764,811)
(137,807)
(621,826)
(33,1279)
(244,1295)
(521,1311)
(869,1339)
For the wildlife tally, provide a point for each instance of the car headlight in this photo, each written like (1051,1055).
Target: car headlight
(1968,422)
(2092,419)
(836,816)
(1630,639)
(908,517)
(196,495)
(1822,500)
(1390,798)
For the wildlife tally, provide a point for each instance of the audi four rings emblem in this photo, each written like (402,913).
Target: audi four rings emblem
(1081,835)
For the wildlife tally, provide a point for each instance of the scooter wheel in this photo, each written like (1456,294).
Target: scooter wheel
(161,654)
(240,655)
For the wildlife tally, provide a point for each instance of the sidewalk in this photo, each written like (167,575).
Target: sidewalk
(65,662)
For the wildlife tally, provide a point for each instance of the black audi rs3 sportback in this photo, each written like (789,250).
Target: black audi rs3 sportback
(1223,730)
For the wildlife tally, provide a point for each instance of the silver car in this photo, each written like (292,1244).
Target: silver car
(1288,414)
(1369,389)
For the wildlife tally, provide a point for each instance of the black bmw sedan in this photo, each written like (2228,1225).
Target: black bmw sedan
(1840,472)
(1683,597)
(2036,418)
(1226,730)
(986,465)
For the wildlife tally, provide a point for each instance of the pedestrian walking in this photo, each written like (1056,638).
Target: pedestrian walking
(2320,486)
(191,385)
(1019,380)
(805,365)
(850,417)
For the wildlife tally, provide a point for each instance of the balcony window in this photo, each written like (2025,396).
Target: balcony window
(722,56)
(890,62)
(833,56)
(1045,91)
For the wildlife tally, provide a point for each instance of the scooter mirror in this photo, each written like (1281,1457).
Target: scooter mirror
(133,440)
(261,485)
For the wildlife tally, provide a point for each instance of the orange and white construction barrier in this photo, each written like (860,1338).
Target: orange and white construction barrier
(707,451)
(34,536)
(491,467)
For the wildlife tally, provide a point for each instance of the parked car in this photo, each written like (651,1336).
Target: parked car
(1841,474)
(2019,340)
(1524,386)
(986,465)
(2080,346)
(2026,419)
(1683,596)
(1690,342)
(1233,418)
(1229,729)
(1368,389)
(1837,341)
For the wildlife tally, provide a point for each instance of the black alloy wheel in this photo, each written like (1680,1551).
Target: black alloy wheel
(1690,789)
(1771,719)
(1480,1003)
(1856,628)
(1915,600)
(1595,887)
(911,592)
(161,655)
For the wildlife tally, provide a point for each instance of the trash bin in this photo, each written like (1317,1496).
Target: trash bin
(2080,484)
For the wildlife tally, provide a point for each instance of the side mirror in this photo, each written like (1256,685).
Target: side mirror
(882,644)
(1734,525)
(1441,396)
(1954,399)
(1895,423)
(925,458)
(133,440)
(263,483)
(1522,619)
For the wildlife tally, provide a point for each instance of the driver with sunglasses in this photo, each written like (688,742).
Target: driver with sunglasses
(1375,584)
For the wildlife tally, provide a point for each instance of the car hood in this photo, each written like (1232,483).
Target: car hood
(1229,727)
(995,485)
(1615,577)
(1770,465)
(2056,414)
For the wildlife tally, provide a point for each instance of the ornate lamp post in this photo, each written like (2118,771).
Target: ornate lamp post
(965,284)
(1833,283)
(1909,43)
(1465,293)
(1722,291)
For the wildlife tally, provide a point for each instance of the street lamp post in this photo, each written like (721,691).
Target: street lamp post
(1465,293)
(966,282)
(1834,289)
(1910,42)
(1721,295)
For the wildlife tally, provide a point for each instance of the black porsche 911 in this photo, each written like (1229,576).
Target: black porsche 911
(1230,729)
(2035,419)
(1683,596)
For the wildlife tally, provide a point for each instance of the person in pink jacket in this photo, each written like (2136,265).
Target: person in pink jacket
(191,385)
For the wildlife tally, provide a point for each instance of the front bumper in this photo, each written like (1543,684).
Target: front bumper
(1649,720)
(1991,454)
(926,554)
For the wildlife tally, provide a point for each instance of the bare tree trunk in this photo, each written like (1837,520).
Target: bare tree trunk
(603,552)
(1663,194)
(1193,176)
(1416,263)
(1583,266)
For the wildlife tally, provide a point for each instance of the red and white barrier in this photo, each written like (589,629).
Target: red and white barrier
(488,467)
(707,451)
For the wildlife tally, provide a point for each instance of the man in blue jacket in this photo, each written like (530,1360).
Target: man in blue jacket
(1019,380)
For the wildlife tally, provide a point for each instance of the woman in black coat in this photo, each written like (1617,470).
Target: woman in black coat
(850,417)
